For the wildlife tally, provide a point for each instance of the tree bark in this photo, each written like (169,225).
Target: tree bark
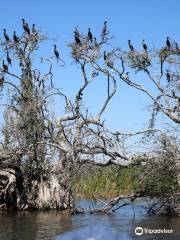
(16,194)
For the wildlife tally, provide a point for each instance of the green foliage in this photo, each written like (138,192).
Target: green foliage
(108,181)
(160,174)
(160,178)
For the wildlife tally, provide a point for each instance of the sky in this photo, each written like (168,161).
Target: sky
(151,20)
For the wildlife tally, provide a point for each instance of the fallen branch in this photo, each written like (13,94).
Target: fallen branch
(113,202)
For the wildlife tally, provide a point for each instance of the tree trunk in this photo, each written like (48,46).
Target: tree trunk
(16,194)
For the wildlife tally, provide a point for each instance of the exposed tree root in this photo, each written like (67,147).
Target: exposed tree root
(16,193)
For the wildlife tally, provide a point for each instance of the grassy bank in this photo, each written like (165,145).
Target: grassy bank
(106,182)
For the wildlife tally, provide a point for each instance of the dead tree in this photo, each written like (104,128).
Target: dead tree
(27,177)
(141,70)
(49,150)
(89,139)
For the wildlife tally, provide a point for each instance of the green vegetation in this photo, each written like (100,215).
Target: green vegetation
(107,182)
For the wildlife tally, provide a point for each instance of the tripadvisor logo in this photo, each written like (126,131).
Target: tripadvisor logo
(139,231)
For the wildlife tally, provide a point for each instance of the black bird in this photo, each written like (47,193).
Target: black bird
(33,29)
(107,60)
(1,80)
(168,43)
(77,38)
(77,31)
(56,53)
(8,59)
(5,67)
(21,64)
(175,109)
(144,45)
(105,56)
(5,35)
(104,30)
(15,37)
(130,45)
(168,76)
(90,36)
(26,27)
(95,42)
(177,47)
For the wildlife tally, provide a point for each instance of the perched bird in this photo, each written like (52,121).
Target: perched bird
(168,76)
(56,53)
(5,67)
(15,37)
(144,45)
(77,38)
(110,62)
(107,60)
(168,43)
(26,27)
(175,109)
(177,47)
(5,35)
(90,36)
(105,56)
(96,43)
(21,64)
(130,45)
(1,80)
(33,29)
(104,30)
(8,58)
(76,31)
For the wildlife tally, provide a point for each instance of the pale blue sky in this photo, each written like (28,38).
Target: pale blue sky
(130,19)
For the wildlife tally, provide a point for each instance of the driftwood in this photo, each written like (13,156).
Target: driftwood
(109,207)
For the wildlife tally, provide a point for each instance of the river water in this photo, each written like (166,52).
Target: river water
(53,225)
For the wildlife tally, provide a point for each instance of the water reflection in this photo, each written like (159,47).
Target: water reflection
(48,225)
(33,226)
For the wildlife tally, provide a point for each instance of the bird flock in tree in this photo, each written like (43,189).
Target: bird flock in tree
(16,40)
(165,50)
(78,43)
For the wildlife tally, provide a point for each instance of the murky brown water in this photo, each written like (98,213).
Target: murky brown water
(49,225)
